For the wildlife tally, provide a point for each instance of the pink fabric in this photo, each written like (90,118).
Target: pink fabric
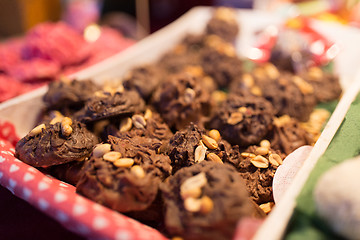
(34,70)
(48,50)
(247,228)
(10,87)
(10,53)
(109,43)
(56,42)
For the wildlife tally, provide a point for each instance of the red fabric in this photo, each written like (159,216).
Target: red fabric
(9,87)
(108,44)
(56,42)
(48,50)
(8,133)
(34,70)
(10,53)
(247,228)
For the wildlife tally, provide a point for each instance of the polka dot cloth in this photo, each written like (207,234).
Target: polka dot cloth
(61,202)
(7,131)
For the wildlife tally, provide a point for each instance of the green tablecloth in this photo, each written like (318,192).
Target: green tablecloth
(304,223)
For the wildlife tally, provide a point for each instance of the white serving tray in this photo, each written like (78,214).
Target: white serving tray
(23,111)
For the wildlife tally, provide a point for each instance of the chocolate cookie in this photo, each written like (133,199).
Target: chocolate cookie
(220,62)
(106,104)
(143,79)
(149,125)
(207,82)
(52,116)
(192,145)
(288,93)
(186,53)
(205,201)
(257,166)
(48,145)
(69,93)
(175,62)
(296,100)
(326,85)
(223,24)
(287,135)
(194,42)
(124,175)
(180,100)
(181,148)
(144,151)
(68,172)
(243,120)
(119,188)
(283,58)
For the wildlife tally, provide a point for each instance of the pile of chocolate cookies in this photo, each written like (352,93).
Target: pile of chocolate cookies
(188,144)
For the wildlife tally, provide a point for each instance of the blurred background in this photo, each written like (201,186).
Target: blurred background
(18,16)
